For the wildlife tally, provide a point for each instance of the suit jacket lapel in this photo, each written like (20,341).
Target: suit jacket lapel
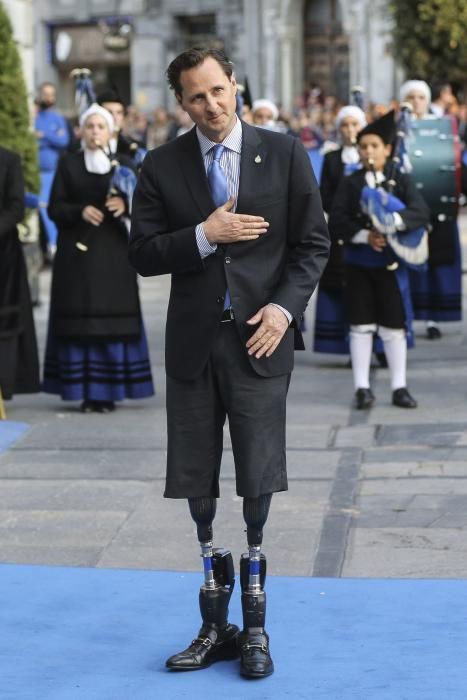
(195,174)
(252,163)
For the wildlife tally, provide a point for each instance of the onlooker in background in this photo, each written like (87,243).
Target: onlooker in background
(265,115)
(19,366)
(158,129)
(135,125)
(53,138)
(96,347)
(113,103)
(181,124)
(443,101)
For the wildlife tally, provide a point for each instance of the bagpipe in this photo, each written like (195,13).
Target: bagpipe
(123,179)
(380,205)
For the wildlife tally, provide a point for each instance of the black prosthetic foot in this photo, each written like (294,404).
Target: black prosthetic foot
(253,641)
(212,644)
(217,639)
(255,658)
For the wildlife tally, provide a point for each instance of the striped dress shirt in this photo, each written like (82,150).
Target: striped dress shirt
(230,163)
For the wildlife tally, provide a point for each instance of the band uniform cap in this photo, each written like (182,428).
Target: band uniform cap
(384,127)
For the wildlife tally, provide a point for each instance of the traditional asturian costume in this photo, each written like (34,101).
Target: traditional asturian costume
(331,323)
(377,290)
(96,347)
(437,291)
(19,365)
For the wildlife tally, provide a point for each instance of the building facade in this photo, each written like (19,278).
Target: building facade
(22,19)
(282,46)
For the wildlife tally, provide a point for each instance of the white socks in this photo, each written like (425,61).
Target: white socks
(395,348)
(361,348)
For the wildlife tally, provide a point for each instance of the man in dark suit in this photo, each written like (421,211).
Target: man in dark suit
(234,214)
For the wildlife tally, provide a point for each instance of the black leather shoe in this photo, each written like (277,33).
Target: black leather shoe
(433,333)
(210,645)
(86,406)
(255,659)
(104,406)
(364,398)
(402,398)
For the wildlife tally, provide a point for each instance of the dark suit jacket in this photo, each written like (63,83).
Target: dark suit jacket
(282,266)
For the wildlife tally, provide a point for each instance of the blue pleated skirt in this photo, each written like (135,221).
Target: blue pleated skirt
(98,371)
(437,292)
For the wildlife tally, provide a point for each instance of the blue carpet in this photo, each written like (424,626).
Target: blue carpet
(94,634)
(10,432)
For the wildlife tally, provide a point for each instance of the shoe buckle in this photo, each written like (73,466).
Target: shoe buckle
(253,645)
(205,641)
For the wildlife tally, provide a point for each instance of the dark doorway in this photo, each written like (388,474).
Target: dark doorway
(326,48)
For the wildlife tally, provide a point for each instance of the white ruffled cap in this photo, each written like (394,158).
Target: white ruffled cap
(415,86)
(266,104)
(97,109)
(351,111)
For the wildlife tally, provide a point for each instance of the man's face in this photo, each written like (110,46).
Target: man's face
(373,151)
(208,96)
(419,103)
(47,96)
(117,110)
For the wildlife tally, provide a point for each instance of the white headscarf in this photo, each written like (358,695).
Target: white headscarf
(266,104)
(351,111)
(97,109)
(415,86)
(95,160)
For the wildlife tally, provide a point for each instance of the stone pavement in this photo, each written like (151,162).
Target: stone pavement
(372,494)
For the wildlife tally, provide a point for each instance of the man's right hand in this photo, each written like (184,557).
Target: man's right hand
(224,227)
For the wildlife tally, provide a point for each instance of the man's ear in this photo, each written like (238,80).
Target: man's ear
(178,97)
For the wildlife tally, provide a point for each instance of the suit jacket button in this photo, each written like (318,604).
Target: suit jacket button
(220,300)
(227,260)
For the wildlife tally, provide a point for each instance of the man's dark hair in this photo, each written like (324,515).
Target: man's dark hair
(192,58)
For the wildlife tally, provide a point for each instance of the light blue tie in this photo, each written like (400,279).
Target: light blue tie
(220,194)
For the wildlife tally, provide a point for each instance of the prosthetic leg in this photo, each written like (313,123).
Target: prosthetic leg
(253,641)
(216,640)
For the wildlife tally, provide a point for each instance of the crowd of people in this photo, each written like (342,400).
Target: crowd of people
(75,367)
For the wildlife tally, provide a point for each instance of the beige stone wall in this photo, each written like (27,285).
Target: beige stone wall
(22,18)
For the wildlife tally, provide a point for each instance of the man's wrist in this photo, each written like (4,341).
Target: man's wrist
(286,313)
(205,248)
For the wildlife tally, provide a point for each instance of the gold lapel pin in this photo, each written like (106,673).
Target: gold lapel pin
(258,159)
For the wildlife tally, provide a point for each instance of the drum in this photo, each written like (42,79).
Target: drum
(434,152)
